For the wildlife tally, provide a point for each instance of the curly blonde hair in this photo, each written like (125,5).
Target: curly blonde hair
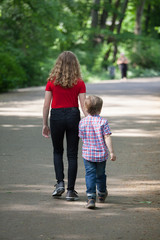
(66,70)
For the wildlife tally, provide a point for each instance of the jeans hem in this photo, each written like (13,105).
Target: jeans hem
(91,195)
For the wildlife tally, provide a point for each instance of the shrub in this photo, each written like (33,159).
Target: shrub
(146,54)
(12,74)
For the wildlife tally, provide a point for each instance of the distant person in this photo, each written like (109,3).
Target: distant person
(111,70)
(123,65)
(63,89)
(97,143)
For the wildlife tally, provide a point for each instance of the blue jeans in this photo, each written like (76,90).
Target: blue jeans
(65,121)
(95,175)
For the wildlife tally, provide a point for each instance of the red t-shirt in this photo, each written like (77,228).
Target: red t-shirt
(65,97)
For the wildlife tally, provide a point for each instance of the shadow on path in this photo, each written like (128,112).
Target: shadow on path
(28,212)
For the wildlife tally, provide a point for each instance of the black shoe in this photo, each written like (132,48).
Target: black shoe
(58,190)
(72,195)
(101,198)
(90,204)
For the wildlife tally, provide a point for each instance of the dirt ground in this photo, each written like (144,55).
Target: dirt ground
(131,211)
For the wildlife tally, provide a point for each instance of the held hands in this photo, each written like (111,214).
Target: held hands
(45,131)
(113,157)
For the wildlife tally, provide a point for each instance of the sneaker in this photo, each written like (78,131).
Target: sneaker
(90,203)
(101,198)
(58,190)
(72,195)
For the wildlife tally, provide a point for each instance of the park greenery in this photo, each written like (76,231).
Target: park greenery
(34,32)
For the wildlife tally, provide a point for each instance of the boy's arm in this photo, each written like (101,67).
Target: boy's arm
(109,144)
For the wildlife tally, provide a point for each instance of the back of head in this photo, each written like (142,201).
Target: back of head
(66,70)
(122,55)
(93,105)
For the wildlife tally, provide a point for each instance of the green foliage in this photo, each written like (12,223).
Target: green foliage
(138,71)
(34,32)
(146,54)
(27,33)
(12,74)
(90,76)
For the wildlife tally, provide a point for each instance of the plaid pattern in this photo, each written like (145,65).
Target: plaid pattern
(92,130)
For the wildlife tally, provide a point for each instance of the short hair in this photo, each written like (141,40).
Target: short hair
(93,104)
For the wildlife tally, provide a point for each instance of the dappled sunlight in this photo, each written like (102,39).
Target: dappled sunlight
(135,133)
(117,186)
(134,187)
(81,236)
(19,207)
(132,193)
(130,105)
(31,108)
(148,210)
(62,208)
(150,121)
(135,126)
(28,177)
(19,126)
(107,214)
(25,188)
(39,188)
(31,89)
(114,105)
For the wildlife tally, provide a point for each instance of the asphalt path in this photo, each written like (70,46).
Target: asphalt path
(131,211)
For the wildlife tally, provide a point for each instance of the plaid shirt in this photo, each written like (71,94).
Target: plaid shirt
(92,130)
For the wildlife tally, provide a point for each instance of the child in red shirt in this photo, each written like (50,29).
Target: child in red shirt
(63,89)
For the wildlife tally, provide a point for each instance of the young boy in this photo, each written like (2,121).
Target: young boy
(95,133)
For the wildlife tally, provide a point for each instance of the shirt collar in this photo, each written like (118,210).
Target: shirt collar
(96,115)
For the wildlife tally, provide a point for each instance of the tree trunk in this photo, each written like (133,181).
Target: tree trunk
(123,14)
(104,16)
(147,18)
(111,39)
(139,14)
(115,15)
(119,28)
(96,5)
(115,52)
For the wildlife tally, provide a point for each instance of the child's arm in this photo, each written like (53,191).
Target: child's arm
(108,142)
(82,97)
(46,107)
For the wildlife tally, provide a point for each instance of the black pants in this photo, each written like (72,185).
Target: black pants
(123,68)
(65,120)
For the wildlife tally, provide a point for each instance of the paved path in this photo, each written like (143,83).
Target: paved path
(131,212)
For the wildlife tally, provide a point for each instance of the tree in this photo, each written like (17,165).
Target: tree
(34,32)
(139,13)
(124,7)
(116,28)
(96,6)
(27,32)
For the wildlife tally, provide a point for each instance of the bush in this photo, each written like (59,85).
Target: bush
(12,74)
(146,54)
(137,71)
